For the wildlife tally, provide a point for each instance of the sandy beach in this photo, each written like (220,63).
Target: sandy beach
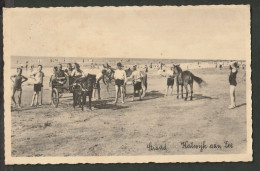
(127,129)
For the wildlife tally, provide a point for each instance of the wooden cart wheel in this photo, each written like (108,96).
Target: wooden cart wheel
(55,97)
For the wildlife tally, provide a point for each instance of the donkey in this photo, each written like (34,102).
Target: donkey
(81,88)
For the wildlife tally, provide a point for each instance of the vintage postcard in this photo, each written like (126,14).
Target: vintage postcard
(127,84)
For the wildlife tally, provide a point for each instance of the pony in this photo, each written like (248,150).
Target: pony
(185,78)
(81,88)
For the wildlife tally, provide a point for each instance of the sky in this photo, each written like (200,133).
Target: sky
(193,32)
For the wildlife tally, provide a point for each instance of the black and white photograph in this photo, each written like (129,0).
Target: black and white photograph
(127,84)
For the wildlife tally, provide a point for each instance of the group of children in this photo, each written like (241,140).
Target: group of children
(119,76)
(18,79)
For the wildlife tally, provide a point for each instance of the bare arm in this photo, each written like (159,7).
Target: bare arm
(25,79)
(12,78)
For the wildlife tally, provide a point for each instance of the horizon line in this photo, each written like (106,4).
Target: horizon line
(132,58)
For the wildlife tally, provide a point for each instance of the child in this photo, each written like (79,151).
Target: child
(99,76)
(17,86)
(233,83)
(120,81)
(137,77)
(38,84)
(53,76)
(169,81)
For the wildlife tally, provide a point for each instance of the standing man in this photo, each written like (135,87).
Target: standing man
(120,81)
(38,84)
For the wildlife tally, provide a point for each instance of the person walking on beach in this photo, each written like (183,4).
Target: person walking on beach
(232,81)
(120,81)
(38,84)
(17,86)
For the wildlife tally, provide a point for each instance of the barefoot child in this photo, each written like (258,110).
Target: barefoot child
(120,81)
(99,76)
(17,86)
(38,84)
(169,81)
(137,77)
(233,83)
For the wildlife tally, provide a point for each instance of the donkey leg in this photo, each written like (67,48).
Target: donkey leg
(182,91)
(186,88)
(89,99)
(74,100)
(177,91)
(191,90)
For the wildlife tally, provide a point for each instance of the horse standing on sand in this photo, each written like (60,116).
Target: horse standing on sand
(185,78)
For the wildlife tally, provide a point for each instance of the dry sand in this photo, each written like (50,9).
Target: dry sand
(126,129)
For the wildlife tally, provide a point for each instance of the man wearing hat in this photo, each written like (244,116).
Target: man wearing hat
(232,81)
(120,81)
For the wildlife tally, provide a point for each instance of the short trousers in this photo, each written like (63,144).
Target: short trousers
(119,83)
(137,86)
(170,81)
(17,88)
(37,87)
(97,85)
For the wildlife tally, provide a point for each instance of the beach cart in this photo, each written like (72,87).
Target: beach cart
(60,86)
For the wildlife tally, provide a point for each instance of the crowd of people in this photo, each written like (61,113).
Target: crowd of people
(119,75)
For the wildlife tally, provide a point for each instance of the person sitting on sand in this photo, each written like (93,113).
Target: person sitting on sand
(120,81)
(17,86)
(38,84)
(137,77)
(77,72)
(232,81)
(69,69)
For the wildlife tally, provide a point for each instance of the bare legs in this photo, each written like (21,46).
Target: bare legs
(121,89)
(167,88)
(232,97)
(35,98)
(19,97)
(98,92)
(139,94)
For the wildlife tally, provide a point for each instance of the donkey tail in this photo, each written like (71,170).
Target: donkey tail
(198,80)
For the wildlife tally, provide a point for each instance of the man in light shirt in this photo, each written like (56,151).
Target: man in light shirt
(137,77)
(120,81)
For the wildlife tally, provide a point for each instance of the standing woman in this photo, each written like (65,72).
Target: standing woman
(233,83)
(120,81)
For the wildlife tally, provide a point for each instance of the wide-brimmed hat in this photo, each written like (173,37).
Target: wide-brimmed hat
(119,64)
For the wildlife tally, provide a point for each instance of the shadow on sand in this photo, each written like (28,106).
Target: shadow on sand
(107,104)
(152,95)
(243,104)
(200,97)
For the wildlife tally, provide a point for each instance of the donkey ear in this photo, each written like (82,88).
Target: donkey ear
(178,65)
